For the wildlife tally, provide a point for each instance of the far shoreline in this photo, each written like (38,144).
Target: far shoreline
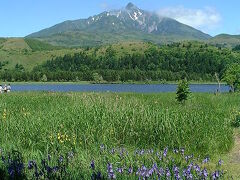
(109,83)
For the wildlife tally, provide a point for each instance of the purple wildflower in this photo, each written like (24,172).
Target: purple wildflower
(182,151)
(130,170)
(113,151)
(220,162)
(161,172)
(155,168)
(214,176)
(175,169)
(151,171)
(190,176)
(165,152)
(93,165)
(49,157)
(168,174)
(187,158)
(111,174)
(197,168)
(205,173)
(142,172)
(60,159)
(177,176)
(55,169)
(206,160)
(97,176)
(30,165)
(49,169)
(175,151)
(142,152)
(120,170)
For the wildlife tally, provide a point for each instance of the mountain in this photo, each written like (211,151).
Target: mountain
(127,24)
(225,40)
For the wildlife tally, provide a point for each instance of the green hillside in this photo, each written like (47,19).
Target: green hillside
(225,40)
(15,44)
(37,45)
(84,39)
(136,61)
(30,52)
(2,40)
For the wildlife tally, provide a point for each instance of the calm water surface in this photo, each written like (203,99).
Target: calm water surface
(145,88)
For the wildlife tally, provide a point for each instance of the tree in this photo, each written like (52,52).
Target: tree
(183,91)
(19,67)
(44,78)
(97,78)
(232,77)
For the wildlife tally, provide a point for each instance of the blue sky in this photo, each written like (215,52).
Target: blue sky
(22,17)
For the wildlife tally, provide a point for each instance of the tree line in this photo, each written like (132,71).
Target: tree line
(173,62)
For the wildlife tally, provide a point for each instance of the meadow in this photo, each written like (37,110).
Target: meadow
(109,134)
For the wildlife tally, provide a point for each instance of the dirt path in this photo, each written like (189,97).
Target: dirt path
(232,159)
(235,153)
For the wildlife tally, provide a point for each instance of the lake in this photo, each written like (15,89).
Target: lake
(137,88)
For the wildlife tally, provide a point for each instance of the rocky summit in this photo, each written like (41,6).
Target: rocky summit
(127,24)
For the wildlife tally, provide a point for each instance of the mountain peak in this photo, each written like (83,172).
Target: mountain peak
(128,24)
(130,6)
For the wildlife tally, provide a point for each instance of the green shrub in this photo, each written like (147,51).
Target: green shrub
(236,122)
(183,91)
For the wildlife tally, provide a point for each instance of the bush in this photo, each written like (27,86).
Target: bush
(97,78)
(183,91)
(44,78)
(236,122)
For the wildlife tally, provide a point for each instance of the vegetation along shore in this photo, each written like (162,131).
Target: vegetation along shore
(63,134)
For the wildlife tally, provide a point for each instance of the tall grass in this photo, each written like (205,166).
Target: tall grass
(40,123)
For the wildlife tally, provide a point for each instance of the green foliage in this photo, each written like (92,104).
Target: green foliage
(80,115)
(44,78)
(149,62)
(2,40)
(19,67)
(97,78)
(236,48)
(225,40)
(232,76)
(37,45)
(183,91)
(171,63)
(56,123)
(236,122)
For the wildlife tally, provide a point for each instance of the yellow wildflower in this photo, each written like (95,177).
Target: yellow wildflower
(111,131)
(59,136)
(4,114)
(74,139)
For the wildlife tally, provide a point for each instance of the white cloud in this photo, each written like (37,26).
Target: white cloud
(204,19)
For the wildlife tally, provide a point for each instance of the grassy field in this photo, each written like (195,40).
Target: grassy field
(89,125)
(30,52)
